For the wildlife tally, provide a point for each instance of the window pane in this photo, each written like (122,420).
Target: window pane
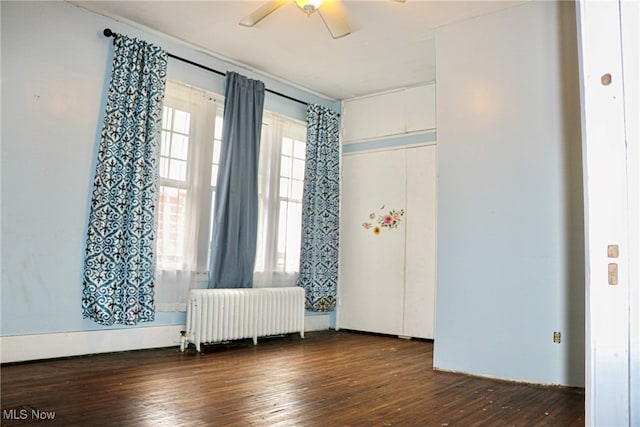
(213,205)
(294,225)
(181,121)
(214,175)
(284,187)
(289,235)
(282,228)
(180,146)
(260,261)
(285,166)
(174,148)
(171,227)
(164,167)
(217,145)
(298,169)
(178,170)
(218,129)
(167,112)
(296,190)
(217,148)
(299,149)
(164,144)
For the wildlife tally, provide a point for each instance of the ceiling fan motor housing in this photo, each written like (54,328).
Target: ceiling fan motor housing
(308,6)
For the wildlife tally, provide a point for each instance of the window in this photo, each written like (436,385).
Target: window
(191,130)
(281,174)
(189,158)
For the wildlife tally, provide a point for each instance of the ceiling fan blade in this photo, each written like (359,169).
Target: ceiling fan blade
(262,12)
(333,14)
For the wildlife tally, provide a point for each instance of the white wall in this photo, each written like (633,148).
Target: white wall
(510,245)
(55,71)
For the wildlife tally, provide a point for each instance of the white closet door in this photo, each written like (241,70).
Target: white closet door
(419,299)
(371,286)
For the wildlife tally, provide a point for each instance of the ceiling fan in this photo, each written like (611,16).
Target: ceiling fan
(331,12)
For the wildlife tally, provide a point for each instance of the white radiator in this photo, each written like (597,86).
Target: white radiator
(215,315)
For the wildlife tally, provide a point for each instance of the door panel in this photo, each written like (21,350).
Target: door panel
(371,265)
(419,300)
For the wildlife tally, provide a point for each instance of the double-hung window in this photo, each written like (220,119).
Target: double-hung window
(190,154)
(281,175)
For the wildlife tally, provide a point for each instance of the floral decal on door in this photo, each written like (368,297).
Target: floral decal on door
(381,220)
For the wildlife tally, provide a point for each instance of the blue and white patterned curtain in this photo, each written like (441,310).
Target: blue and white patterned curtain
(119,267)
(320,210)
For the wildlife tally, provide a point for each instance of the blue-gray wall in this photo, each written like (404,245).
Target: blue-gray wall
(510,267)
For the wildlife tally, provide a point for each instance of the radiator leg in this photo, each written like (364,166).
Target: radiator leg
(255,340)
(183,340)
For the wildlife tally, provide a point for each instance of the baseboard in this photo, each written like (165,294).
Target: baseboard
(46,346)
(20,348)
(316,322)
(511,380)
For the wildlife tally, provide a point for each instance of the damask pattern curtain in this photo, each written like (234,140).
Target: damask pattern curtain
(119,267)
(235,219)
(320,210)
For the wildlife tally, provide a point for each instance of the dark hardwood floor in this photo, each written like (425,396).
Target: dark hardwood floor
(328,379)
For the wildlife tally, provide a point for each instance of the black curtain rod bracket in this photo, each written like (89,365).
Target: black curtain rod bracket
(108,33)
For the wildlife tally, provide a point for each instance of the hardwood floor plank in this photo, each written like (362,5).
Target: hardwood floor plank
(328,379)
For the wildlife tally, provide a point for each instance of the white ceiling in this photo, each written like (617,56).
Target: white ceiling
(391,44)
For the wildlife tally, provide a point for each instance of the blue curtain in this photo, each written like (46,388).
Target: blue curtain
(320,210)
(235,219)
(119,266)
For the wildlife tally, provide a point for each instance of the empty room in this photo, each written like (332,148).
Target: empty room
(428,216)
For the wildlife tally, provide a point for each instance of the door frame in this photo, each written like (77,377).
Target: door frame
(608,49)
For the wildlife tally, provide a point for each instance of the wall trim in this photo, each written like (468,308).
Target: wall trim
(510,380)
(20,348)
(316,322)
(399,89)
(403,141)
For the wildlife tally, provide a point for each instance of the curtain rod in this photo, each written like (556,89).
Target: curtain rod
(108,33)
